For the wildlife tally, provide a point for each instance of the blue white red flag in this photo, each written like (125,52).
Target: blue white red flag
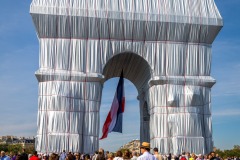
(113,122)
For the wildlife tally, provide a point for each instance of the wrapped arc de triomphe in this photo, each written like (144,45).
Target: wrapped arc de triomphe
(163,48)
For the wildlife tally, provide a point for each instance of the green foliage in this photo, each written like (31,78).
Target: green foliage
(14,148)
(30,150)
(4,147)
(229,153)
(123,150)
(236,147)
(220,153)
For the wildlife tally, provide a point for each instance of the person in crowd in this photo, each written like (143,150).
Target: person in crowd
(173,157)
(95,155)
(3,156)
(14,156)
(127,155)
(187,155)
(169,157)
(164,157)
(205,157)
(145,150)
(236,158)
(63,155)
(118,156)
(193,157)
(110,156)
(101,155)
(213,156)
(176,157)
(45,157)
(87,157)
(29,156)
(82,156)
(209,156)
(199,157)
(77,156)
(19,157)
(70,156)
(10,155)
(183,156)
(24,154)
(106,154)
(70,153)
(53,156)
(134,155)
(156,154)
(35,156)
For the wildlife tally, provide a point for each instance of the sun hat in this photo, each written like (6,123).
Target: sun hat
(145,145)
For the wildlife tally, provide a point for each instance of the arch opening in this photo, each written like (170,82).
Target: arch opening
(131,116)
(135,68)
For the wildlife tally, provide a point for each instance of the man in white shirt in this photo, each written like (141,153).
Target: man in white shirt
(145,148)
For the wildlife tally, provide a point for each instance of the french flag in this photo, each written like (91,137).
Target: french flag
(113,122)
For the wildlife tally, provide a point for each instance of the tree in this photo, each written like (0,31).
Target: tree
(15,148)
(236,147)
(229,153)
(30,149)
(4,147)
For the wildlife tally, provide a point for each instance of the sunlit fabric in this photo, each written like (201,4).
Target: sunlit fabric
(163,48)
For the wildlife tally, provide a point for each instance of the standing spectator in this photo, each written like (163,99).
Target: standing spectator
(156,154)
(176,157)
(145,149)
(213,156)
(205,157)
(87,157)
(199,157)
(63,155)
(19,157)
(45,157)
(127,155)
(95,155)
(134,154)
(54,156)
(193,157)
(24,155)
(29,156)
(106,154)
(101,155)
(10,155)
(187,155)
(14,156)
(77,156)
(70,157)
(110,156)
(183,156)
(35,156)
(169,157)
(3,156)
(118,156)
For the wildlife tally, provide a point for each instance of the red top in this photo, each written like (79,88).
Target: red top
(34,158)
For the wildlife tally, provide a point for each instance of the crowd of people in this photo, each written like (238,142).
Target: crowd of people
(144,154)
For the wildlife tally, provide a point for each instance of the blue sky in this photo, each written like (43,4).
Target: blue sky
(19,87)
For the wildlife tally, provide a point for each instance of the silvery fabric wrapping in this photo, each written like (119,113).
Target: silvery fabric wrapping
(166,42)
(68,113)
